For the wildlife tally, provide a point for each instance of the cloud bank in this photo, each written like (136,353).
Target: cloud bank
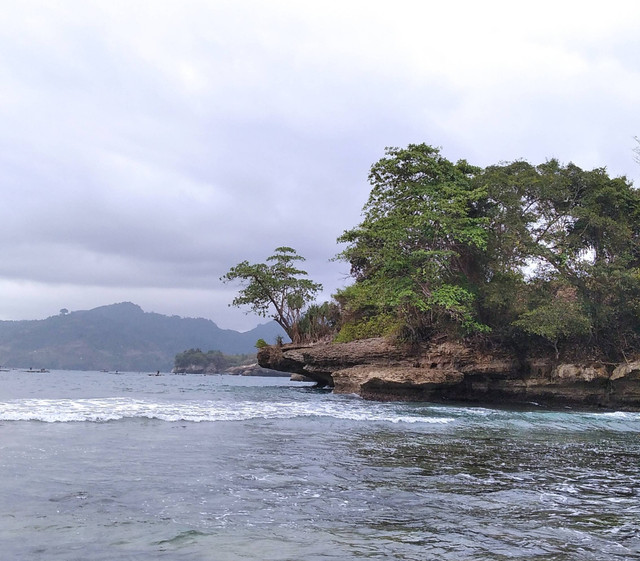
(146,147)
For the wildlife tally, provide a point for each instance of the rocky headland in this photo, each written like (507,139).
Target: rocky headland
(379,369)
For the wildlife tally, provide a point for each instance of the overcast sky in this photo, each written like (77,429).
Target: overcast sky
(146,147)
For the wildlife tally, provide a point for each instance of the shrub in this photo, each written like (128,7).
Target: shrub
(376,326)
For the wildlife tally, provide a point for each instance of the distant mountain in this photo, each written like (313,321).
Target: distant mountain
(119,337)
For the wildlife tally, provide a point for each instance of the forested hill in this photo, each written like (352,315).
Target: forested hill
(118,337)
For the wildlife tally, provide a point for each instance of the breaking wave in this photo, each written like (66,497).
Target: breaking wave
(117,408)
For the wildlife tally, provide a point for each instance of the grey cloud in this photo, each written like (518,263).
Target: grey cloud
(145,149)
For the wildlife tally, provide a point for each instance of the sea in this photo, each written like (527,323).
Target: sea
(98,466)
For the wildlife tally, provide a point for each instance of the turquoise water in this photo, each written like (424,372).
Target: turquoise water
(103,466)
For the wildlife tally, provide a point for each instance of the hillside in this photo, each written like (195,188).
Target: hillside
(118,337)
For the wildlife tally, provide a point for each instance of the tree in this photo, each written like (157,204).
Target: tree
(453,248)
(319,321)
(415,253)
(555,225)
(277,287)
(555,321)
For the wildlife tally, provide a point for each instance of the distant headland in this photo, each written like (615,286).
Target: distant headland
(118,337)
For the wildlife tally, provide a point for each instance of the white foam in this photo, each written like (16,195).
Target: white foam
(619,415)
(116,408)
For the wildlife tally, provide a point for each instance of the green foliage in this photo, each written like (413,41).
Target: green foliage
(277,287)
(577,228)
(415,249)
(549,250)
(261,344)
(376,326)
(613,298)
(555,321)
(563,218)
(319,322)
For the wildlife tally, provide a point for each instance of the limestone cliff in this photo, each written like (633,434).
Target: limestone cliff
(445,371)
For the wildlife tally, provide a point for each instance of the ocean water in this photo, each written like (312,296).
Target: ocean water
(104,466)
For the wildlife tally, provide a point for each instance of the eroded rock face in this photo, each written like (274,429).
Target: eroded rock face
(378,369)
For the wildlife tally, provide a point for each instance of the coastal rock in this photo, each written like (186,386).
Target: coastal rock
(254,370)
(625,380)
(579,373)
(629,370)
(299,378)
(244,370)
(378,369)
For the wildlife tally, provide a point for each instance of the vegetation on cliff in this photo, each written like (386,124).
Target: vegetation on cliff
(515,253)
(415,255)
(529,256)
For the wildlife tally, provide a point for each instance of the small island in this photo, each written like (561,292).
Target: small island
(512,283)
(195,361)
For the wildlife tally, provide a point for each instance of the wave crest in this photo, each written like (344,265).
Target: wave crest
(113,409)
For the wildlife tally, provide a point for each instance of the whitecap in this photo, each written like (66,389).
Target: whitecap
(113,409)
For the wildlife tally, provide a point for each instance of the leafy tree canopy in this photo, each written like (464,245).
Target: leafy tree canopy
(414,250)
(277,287)
(518,250)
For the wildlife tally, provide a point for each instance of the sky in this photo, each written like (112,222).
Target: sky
(148,146)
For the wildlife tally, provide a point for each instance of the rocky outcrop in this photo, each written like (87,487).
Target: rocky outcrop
(244,370)
(446,371)
(300,378)
(254,370)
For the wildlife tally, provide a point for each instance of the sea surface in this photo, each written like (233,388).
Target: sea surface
(106,466)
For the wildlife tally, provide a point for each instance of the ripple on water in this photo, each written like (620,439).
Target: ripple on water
(208,471)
